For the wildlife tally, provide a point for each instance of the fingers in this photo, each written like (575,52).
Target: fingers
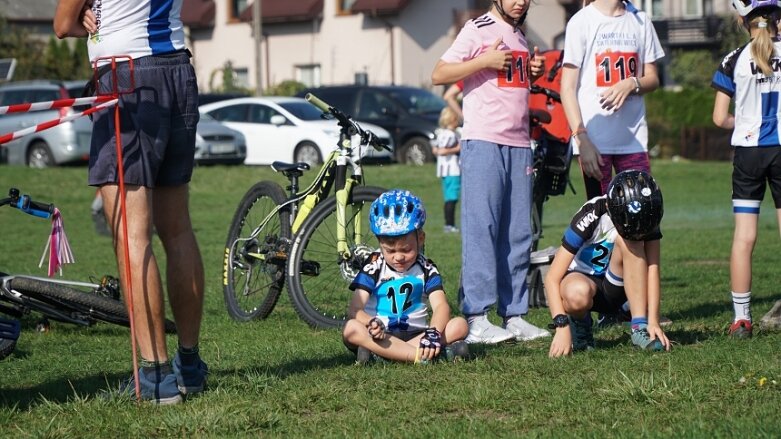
(536,52)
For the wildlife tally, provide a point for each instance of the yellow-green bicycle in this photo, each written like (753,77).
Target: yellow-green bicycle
(314,239)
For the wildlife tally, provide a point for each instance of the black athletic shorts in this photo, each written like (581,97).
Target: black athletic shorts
(158,120)
(753,168)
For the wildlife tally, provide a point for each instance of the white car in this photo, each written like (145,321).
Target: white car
(286,129)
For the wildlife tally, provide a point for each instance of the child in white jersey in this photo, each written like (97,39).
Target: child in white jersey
(609,254)
(446,148)
(749,76)
(388,312)
(610,49)
(491,56)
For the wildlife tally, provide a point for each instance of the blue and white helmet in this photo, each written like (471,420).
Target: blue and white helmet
(744,7)
(396,213)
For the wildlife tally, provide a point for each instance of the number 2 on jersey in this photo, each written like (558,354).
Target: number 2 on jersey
(613,67)
(516,76)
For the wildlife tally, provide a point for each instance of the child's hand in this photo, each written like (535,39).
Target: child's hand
(590,159)
(496,59)
(430,344)
(376,328)
(655,332)
(613,98)
(562,343)
(536,64)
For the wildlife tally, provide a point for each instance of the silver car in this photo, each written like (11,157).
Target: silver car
(68,142)
(215,143)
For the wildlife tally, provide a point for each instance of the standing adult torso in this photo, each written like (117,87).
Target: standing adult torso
(136,28)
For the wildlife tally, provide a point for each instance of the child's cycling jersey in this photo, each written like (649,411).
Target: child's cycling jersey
(398,299)
(608,50)
(591,237)
(755,95)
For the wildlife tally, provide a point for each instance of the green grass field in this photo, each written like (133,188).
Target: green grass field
(280,378)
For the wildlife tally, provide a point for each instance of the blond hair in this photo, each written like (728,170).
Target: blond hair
(448,118)
(762,47)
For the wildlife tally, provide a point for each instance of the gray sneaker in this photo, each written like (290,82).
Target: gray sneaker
(457,351)
(523,330)
(485,332)
(642,340)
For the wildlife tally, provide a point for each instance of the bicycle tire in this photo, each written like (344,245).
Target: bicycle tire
(251,286)
(322,299)
(6,347)
(70,300)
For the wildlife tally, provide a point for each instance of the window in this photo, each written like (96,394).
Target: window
(236,7)
(343,7)
(261,114)
(692,8)
(241,77)
(374,105)
(308,75)
(233,113)
(654,8)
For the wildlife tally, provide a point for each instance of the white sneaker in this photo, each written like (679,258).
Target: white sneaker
(485,332)
(523,330)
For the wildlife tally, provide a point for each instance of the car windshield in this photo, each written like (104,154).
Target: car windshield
(302,110)
(418,101)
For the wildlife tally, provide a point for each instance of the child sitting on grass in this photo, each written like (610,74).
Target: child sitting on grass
(388,312)
(609,254)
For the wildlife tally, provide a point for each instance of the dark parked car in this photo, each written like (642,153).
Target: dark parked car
(409,114)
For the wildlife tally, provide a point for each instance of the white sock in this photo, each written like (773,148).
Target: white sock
(741,302)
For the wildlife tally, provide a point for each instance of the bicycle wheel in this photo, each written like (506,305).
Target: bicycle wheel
(317,276)
(254,264)
(72,305)
(6,347)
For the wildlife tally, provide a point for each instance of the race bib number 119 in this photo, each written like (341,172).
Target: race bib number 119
(613,67)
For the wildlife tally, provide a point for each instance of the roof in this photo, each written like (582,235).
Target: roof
(379,7)
(198,14)
(285,11)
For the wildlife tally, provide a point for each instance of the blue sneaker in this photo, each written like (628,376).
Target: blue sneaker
(190,379)
(642,339)
(155,387)
(582,334)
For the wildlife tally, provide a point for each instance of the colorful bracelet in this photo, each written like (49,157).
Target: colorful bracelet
(579,130)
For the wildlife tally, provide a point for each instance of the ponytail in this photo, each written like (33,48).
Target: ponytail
(762,48)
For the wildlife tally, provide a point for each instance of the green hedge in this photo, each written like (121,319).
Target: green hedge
(669,111)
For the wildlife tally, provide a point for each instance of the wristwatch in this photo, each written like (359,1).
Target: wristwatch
(559,321)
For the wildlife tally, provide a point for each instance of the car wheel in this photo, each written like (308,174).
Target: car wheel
(39,155)
(309,153)
(415,151)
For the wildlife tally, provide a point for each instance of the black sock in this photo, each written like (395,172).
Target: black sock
(450,213)
(188,356)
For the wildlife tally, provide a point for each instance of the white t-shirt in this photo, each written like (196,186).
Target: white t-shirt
(757,109)
(136,28)
(447,165)
(607,50)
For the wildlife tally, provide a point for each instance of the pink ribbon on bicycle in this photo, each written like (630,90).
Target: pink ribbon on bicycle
(57,246)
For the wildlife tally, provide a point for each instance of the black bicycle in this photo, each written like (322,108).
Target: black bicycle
(80,303)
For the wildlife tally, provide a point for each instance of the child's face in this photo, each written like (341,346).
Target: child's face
(401,252)
(515,8)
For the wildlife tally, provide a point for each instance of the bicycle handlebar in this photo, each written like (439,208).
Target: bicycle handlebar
(536,89)
(27,205)
(347,123)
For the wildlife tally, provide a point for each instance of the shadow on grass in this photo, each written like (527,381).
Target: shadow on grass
(60,391)
(710,309)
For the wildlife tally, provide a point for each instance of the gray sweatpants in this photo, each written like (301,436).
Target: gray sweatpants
(496,190)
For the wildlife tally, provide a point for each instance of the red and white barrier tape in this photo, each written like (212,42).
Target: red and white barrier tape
(49,105)
(45,125)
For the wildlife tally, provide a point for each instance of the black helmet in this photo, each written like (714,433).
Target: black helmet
(635,204)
